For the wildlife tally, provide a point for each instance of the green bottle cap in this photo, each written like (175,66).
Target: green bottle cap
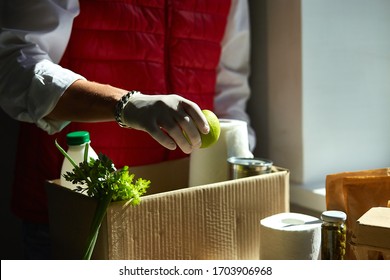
(77,138)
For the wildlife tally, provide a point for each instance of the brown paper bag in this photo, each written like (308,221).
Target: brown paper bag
(355,193)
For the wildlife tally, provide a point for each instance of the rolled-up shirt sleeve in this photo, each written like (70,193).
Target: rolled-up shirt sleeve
(232,90)
(33,38)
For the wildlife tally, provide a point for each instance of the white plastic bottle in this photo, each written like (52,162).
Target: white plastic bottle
(76,142)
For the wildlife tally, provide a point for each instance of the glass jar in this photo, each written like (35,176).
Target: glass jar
(333,235)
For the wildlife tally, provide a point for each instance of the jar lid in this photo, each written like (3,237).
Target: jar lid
(77,138)
(333,216)
(251,163)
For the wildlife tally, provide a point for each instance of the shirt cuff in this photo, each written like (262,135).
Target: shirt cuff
(48,85)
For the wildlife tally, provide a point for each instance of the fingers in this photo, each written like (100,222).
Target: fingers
(189,130)
(168,133)
(184,132)
(181,127)
(197,116)
(163,138)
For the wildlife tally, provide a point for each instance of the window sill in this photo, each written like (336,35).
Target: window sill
(312,198)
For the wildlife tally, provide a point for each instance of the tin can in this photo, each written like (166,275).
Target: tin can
(240,167)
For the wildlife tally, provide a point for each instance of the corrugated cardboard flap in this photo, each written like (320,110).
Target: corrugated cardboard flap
(217,221)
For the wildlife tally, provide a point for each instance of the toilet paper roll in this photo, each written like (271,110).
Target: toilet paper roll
(290,236)
(209,165)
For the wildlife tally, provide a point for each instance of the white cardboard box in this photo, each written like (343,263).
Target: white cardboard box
(215,221)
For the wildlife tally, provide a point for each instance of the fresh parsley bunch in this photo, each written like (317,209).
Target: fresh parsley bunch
(101,180)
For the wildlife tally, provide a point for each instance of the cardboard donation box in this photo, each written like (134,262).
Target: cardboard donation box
(173,221)
(371,239)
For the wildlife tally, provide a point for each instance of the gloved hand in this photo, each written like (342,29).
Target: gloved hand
(167,118)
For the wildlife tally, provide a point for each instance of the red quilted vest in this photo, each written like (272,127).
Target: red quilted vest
(155,46)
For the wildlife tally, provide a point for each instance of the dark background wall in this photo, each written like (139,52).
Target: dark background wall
(11,227)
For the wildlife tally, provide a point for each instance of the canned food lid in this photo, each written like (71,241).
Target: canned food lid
(333,216)
(251,162)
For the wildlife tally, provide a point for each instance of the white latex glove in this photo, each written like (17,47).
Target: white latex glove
(165,118)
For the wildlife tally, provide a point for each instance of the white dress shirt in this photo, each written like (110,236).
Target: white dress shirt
(34,36)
